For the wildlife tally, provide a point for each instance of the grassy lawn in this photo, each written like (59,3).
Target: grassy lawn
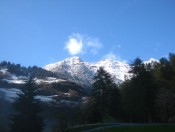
(146,128)
(92,126)
(86,127)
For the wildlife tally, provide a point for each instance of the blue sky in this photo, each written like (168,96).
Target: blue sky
(38,32)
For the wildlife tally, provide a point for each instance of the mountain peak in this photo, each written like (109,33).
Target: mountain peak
(151,60)
(74,69)
(109,60)
(73,60)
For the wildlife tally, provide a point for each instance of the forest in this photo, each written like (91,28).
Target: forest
(148,96)
(34,71)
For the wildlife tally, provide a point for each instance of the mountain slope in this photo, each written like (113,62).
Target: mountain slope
(74,69)
(48,88)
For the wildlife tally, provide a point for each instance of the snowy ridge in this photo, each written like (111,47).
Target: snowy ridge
(74,69)
(151,61)
(117,69)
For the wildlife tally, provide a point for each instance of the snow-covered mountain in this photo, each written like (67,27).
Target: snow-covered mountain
(152,60)
(74,69)
(69,70)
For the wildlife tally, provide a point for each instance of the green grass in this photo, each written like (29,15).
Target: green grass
(146,128)
(85,127)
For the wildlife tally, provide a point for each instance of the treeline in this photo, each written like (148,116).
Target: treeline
(148,96)
(19,70)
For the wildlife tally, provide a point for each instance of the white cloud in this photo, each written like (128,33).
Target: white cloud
(81,44)
(93,42)
(74,45)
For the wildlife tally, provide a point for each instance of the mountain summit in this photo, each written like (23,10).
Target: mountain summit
(74,69)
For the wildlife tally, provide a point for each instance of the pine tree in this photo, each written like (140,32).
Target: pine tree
(138,93)
(165,76)
(105,93)
(26,118)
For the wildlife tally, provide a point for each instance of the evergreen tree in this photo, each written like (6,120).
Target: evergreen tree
(165,77)
(165,104)
(105,94)
(26,118)
(137,67)
(138,93)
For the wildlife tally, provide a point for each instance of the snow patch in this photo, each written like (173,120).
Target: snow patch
(45,98)
(4,70)
(48,80)
(15,81)
(11,93)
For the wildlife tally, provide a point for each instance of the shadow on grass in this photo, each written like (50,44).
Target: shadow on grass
(121,128)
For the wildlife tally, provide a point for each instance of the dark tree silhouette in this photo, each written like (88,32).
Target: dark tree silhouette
(105,95)
(19,70)
(138,93)
(26,118)
(165,77)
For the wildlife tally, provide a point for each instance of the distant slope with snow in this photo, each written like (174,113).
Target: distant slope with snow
(10,94)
